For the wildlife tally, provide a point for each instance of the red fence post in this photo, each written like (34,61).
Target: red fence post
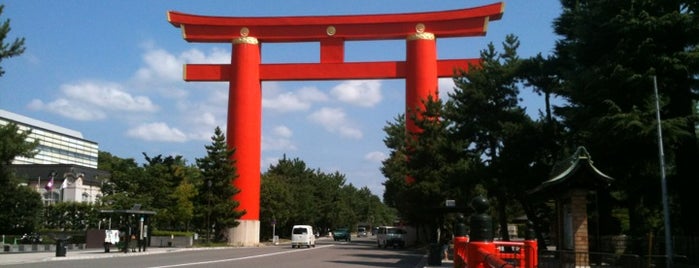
(531,254)
(481,235)
(460,241)
(531,247)
(460,258)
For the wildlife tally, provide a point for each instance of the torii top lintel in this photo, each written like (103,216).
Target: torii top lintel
(332,32)
(451,23)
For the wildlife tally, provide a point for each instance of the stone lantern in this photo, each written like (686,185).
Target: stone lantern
(569,185)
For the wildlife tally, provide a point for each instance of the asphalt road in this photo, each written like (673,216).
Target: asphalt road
(361,252)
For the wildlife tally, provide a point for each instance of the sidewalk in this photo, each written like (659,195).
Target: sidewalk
(43,256)
(448,263)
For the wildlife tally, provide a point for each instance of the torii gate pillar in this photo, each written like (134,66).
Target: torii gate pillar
(243,134)
(421,75)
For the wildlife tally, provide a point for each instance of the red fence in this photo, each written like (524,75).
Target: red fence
(495,254)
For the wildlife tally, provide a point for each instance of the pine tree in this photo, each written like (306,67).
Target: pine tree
(608,53)
(8,50)
(218,172)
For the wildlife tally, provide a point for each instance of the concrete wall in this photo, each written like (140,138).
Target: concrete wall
(169,241)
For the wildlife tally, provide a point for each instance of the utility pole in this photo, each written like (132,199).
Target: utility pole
(663,186)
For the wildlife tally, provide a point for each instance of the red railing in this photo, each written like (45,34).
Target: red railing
(495,254)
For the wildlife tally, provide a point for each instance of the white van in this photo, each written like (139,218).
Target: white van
(390,236)
(302,235)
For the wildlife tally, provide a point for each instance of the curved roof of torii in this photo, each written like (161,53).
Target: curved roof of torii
(450,23)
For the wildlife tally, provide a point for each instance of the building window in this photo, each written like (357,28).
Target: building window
(50,197)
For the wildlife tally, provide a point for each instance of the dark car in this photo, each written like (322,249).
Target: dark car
(342,234)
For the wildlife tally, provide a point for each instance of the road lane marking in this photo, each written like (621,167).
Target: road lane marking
(241,258)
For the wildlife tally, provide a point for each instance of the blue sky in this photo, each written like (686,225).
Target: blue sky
(112,70)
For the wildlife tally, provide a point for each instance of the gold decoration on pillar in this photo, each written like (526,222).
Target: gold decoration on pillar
(331,30)
(421,36)
(245,40)
(420,28)
(244,31)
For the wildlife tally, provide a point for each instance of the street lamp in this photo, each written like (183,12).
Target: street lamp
(208,212)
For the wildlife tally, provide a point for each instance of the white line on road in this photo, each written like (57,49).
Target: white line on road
(241,258)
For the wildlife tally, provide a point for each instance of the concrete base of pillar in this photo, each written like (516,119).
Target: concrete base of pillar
(246,234)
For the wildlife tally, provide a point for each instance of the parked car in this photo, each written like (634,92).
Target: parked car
(390,236)
(361,231)
(342,234)
(302,235)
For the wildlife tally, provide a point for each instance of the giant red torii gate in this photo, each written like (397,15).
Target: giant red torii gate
(421,69)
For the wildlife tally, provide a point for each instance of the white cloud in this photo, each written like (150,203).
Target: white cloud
(375,156)
(285,102)
(157,132)
(283,131)
(311,94)
(201,124)
(161,65)
(292,100)
(89,101)
(67,109)
(280,140)
(365,93)
(445,86)
(216,55)
(334,120)
(109,96)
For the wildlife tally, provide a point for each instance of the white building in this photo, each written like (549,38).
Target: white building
(57,145)
(65,166)
(63,182)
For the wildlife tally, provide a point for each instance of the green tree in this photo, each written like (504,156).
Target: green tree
(8,50)
(71,216)
(424,169)
(293,193)
(218,169)
(123,189)
(183,209)
(394,166)
(488,120)
(300,182)
(607,56)
(13,143)
(21,210)
(275,197)
(20,205)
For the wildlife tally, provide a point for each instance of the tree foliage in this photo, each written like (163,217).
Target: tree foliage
(471,144)
(12,49)
(218,172)
(602,69)
(608,55)
(21,209)
(293,193)
(20,205)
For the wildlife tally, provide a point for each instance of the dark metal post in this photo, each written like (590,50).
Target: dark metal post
(208,212)
(481,223)
(663,183)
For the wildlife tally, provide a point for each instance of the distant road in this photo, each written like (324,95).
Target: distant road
(361,252)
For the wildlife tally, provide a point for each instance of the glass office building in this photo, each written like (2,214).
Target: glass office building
(57,145)
(65,166)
